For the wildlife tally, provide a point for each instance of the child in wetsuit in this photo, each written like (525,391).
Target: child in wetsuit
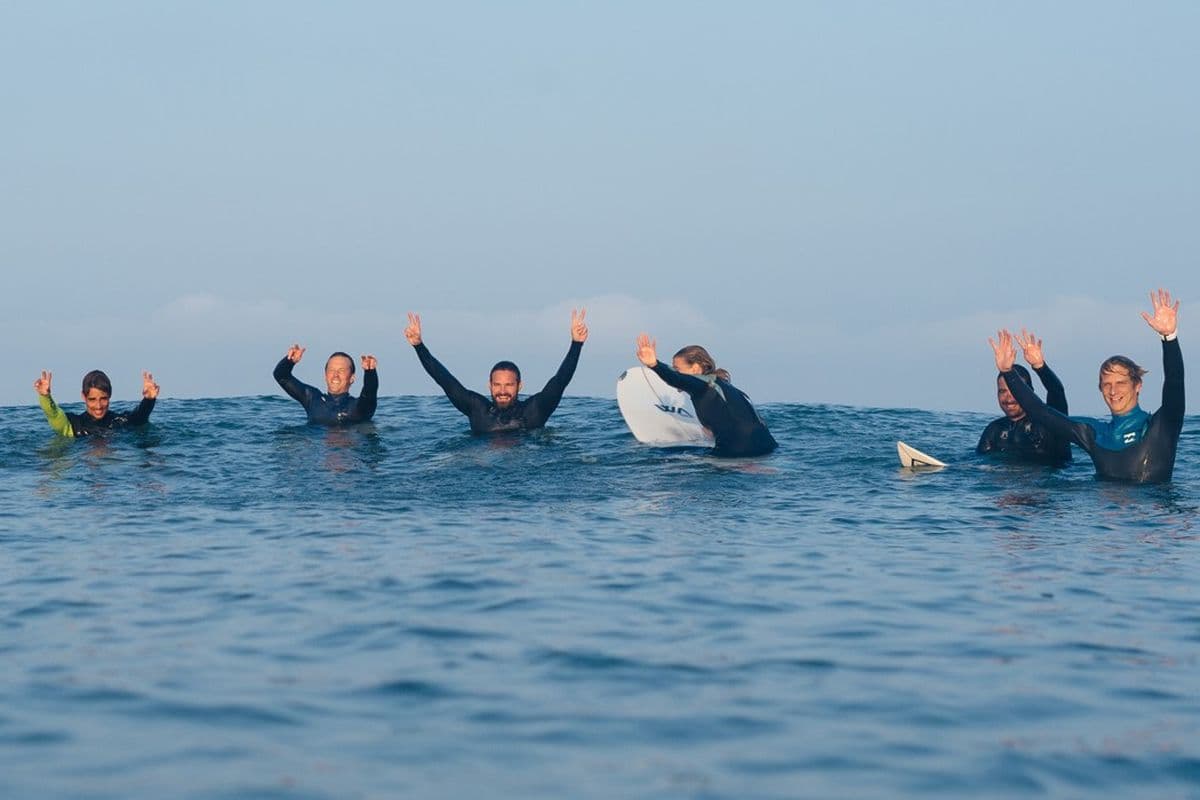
(97,390)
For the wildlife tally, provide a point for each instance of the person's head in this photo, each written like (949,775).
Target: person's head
(695,360)
(1120,383)
(505,383)
(97,391)
(1008,404)
(339,373)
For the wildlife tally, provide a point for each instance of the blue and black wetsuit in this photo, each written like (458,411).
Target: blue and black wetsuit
(484,414)
(67,424)
(330,409)
(726,411)
(1026,440)
(1134,446)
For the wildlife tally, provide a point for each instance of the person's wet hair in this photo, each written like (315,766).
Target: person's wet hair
(343,355)
(1112,363)
(695,354)
(505,366)
(96,379)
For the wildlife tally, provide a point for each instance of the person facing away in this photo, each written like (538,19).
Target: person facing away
(97,416)
(334,406)
(1017,436)
(504,410)
(721,407)
(1133,445)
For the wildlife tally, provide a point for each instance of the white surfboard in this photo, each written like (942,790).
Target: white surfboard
(913,458)
(658,414)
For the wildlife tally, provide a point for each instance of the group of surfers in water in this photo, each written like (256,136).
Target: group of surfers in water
(1133,445)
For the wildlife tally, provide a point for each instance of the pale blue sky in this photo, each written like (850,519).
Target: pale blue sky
(840,200)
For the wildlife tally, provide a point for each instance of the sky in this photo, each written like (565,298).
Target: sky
(840,200)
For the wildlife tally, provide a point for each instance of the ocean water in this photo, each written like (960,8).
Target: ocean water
(230,604)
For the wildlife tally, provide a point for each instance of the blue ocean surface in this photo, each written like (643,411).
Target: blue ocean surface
(231,604)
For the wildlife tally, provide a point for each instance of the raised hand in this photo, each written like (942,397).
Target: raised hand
(42,384)
(368,362)
(295,353)
(413,331)
(149,387)
(1165,314)
(1006,354)
(1031,348)
(579,328)
(647,350)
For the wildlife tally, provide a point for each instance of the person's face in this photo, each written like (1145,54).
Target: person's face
(1120,390)
(338,374)
(681,365)
(504,385)
(96,402)
(1008,404)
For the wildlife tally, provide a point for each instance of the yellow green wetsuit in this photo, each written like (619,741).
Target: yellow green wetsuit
(66,424)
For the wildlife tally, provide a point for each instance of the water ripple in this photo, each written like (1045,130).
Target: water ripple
(232,604)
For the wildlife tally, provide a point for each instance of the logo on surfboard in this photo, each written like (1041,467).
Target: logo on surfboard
(683,412)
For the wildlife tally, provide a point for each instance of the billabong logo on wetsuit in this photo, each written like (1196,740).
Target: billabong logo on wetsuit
(683,412)
(1130,438)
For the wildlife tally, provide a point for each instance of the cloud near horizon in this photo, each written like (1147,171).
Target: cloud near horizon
(205,344)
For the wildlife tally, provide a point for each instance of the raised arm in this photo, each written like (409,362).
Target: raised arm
(1055,421)
(369,397)
(57,418)
(1173,396)
(647,353)
(298,391)
(550,395)
(541,405)
(460,396)
(1056,393)
(1164,321)
(141,414)
(1031,349)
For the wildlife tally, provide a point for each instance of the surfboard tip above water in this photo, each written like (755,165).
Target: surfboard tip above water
(912,458)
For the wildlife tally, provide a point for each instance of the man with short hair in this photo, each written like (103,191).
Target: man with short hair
(1015,435)
(97,390)
(335,406)
(504,410)
(1133,445)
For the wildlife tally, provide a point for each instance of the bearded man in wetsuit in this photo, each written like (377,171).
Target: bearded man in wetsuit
(334,407)
(504,410)
(1133,445)
(97,390)
(1015,435)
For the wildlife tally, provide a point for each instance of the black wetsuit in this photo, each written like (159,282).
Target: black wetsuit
(484,414)
(86,425)
(1134,446)
(330,409)
(1026,440)
(726,411)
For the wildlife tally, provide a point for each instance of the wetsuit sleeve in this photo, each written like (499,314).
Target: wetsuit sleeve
(302,393)
(540,406)
(695,387)
(370,395)
(1173,399)
(1054,421)
(141,414)
(1056,394)
(56,416)
(460,396)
